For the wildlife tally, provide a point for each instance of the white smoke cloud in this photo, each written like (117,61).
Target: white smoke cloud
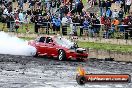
(15,46)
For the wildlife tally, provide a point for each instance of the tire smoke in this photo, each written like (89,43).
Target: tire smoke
(15,46)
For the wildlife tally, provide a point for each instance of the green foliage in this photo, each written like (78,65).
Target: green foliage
(84,1)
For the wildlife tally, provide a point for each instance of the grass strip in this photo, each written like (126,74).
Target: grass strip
(104,46)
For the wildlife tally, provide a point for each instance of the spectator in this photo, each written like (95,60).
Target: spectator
(127,5)
(115,14)
(75,21)
(92,2)
(102,6)
(123,4)
(48,4)
(58,3)
(86,27)
(70,1)
(96,27)
(16,24)
(26,21)
(79,8)
(11,21)
(36,26)
(5,12)
(115,23)
(4,21)
(40,23)
(21,16)
(121,27)
(121,14)
(107,28)
(64,25)
(108,4)
(48,20)
(21,4)
(57,25)
(81,25)
(108,13)
(32,3)
(117,2)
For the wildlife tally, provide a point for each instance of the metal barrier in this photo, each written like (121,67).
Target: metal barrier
(65,29)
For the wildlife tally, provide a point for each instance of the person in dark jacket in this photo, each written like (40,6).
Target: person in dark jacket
(47,20)
(81,25)
(40,24)
(65,9)
(36,26)
(96,27)
(70,1)
(79,7)
(120,14)
(102,6)
(108,4)
(10,22)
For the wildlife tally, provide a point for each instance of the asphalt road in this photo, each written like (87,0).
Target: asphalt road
(29,72)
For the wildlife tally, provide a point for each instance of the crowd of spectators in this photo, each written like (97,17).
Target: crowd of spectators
(58,15)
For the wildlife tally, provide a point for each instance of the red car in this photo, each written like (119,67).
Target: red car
(58,47)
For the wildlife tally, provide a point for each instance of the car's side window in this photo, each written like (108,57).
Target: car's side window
(49,39)
(42,39)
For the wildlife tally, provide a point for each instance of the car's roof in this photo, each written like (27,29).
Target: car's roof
(49,36)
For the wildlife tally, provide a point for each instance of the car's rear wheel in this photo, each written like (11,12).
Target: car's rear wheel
(80,59)
(35,55)
(61,55)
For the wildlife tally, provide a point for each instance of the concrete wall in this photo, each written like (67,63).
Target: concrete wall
(102,54)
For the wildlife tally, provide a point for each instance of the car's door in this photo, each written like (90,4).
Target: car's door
(41,46)
(51,47)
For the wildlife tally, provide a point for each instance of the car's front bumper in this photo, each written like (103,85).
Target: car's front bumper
(77,55)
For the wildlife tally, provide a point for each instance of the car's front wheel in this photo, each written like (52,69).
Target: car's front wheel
(61,55)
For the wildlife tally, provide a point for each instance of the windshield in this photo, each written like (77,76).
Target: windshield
(64,42)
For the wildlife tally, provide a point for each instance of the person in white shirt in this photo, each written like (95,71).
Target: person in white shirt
(115,13)
(21,16)
(64,20)
(5,12)
(127,5)
(64,25)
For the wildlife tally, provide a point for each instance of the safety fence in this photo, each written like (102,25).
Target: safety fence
(72,29)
